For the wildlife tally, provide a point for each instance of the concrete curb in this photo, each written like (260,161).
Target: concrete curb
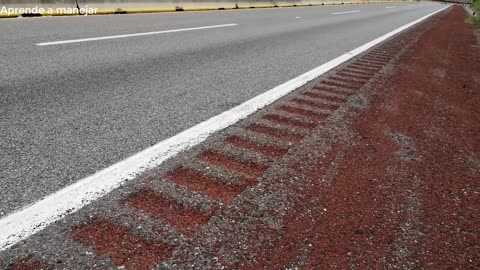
(211,8)
(469,10)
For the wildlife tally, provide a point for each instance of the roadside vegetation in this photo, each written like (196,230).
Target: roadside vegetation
(475,20)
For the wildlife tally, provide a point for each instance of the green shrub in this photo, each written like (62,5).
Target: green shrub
(476,6)
(476,19)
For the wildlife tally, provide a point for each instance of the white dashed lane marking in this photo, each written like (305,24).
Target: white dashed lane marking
(133,35)
(345,12)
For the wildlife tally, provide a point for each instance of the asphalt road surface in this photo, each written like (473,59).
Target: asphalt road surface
(69,110)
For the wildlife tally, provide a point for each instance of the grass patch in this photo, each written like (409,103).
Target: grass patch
(476,19)
(476,5)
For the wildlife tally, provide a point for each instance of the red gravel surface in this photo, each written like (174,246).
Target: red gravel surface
(184,220)
(125,249)
(28,263)
(407,193)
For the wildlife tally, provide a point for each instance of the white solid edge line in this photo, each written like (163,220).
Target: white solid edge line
(26,222)
(133,35)
(345,12)
(391,7)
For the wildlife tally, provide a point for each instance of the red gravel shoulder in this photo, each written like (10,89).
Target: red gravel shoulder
(406,195)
